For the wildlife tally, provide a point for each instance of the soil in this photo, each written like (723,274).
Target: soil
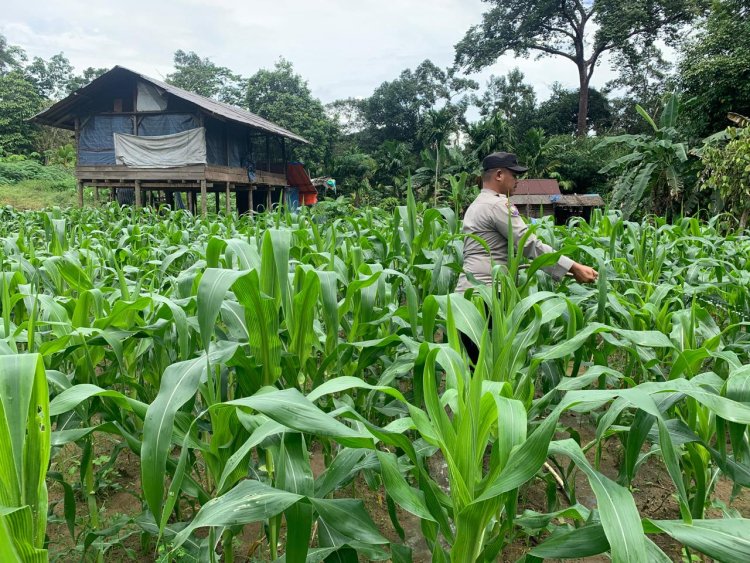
(119,499)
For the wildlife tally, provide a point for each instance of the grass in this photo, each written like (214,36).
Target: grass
(39,194)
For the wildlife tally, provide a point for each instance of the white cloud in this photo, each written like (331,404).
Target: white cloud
(342,48)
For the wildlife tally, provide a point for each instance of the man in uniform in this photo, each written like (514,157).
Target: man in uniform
(493,218)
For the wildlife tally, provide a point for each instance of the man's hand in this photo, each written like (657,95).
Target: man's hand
(583,274)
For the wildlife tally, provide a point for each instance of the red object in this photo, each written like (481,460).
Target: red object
(297,177)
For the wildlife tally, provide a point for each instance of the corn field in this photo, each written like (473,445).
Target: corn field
(265,371)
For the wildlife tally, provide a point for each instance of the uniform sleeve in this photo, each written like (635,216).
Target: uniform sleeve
(508,222)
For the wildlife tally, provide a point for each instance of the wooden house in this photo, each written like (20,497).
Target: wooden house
(136,133)
(542,197)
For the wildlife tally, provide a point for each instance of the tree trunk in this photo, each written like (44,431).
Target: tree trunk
(582,128)
(437,171)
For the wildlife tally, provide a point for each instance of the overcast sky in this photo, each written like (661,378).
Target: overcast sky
(342,48)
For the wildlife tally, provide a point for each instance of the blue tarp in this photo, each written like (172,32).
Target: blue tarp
(96,142)
(165,124)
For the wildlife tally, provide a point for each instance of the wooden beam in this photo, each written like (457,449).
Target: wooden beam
(138,201)
(78,138)
(80,194)
(204,198)
(227,206)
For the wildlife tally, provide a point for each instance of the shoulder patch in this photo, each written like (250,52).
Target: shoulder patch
(513,210)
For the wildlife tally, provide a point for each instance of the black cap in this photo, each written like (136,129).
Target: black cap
(502,160)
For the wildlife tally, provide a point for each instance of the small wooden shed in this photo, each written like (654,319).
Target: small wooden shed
(542,197)
(136,133)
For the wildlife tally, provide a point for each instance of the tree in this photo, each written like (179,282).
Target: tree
(394,160)
(51,78)
(282,96)
(86,77)
(727,169)
(354,172)
(558,115)
(435,129)
(507,95)
(11,56)
(202,76)
(715,71)
(396,108)
(19,101)
(564,28)
(644,82)
(494,133)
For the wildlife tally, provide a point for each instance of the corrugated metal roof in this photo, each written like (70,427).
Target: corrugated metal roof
(537,186)
(577,200)
(530,200)
(59,114)
(581,200)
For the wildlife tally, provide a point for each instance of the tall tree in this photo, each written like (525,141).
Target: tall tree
(715,71)
(51,78)
(578,30)
(87,76)
(204,77)
(508,95)
(283,96)
(19,101)
(11,56)
(396,108)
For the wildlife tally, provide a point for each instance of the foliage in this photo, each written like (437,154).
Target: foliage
(561,29)
(715,69)
(558,115)
(88,75)
(18,168)
(397,108)
(204,77)
(727,170)
(51,78)
(579,163)
(19,101)
(354,172)
(507,95)
(655,165)
(642,80)
(282,96)
(11,56)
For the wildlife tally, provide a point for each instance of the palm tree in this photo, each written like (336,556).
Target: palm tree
(435,130)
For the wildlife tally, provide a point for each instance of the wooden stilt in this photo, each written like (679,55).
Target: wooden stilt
(218,202)
(250,200)
(80,194)
(204,199)
(227,203)
(138,200)
(96,194)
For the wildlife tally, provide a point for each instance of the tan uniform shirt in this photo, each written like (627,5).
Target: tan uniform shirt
(488,217)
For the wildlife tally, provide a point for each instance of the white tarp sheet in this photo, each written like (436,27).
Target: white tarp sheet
(162,151)
(150,98)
